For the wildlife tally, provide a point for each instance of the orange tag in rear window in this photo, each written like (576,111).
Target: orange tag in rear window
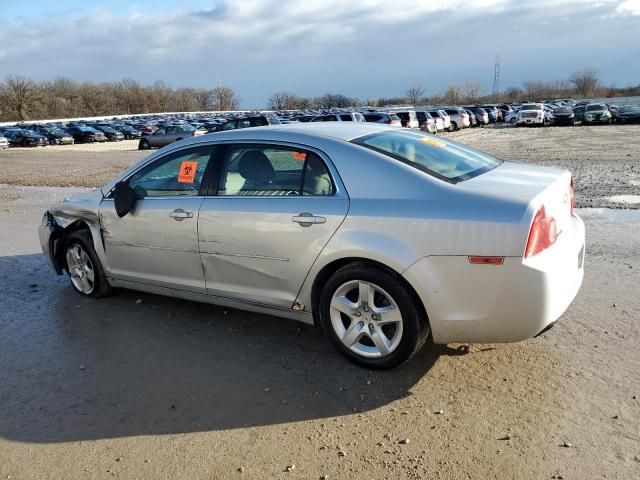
(299,156)
(187,172)
(433,142)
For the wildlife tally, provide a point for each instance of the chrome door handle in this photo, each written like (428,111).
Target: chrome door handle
(179,214)
(307,219)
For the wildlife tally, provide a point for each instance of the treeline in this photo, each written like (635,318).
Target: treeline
(581,84)
(24,99)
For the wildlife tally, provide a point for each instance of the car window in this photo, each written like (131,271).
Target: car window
(177,174)
(229,126)
(259,122)
(160,131)
(346,117)
(273,171)
(447,160)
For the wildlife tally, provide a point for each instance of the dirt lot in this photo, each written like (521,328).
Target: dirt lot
(605,160)
(173,389)
(94,389)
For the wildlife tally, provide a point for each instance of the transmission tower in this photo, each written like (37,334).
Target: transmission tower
(496,76)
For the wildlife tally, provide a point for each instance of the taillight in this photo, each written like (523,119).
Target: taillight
(542,235)
(572,198)
(388,121)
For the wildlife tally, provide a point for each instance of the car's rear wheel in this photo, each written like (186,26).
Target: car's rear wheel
(144,145)
(83,267)
(372,316)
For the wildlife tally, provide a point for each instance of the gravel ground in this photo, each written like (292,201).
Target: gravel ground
(605,160)
(142,386)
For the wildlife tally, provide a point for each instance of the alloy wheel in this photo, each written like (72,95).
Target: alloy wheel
(366,319)
(81,269)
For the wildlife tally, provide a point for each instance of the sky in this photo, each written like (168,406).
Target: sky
(365,49)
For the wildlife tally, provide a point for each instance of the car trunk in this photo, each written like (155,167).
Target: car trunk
(530,186)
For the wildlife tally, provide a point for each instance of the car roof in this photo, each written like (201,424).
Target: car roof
(337,130)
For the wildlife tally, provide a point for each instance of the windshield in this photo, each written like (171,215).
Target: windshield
(629,108)
(531,107)
(447,160)
(595,107)
(563,110)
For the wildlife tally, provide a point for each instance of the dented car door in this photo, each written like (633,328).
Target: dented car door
(276,208)
(157,242)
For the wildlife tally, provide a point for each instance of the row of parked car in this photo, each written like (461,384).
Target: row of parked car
(158,130)
(569,112)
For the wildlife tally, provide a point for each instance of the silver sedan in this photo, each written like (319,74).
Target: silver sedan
(382,236)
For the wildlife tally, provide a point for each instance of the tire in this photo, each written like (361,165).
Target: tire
(372,345)
(85,271)
(454,126)
(144,145)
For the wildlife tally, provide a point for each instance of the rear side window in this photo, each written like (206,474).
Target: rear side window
(372,117)
(447,160)
(346,118)
(274,171)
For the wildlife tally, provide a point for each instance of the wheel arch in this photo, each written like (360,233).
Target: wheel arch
(333,266)
(60,242)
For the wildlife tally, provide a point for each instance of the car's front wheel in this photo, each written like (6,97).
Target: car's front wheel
(144,145)
(84,269)
(372,316)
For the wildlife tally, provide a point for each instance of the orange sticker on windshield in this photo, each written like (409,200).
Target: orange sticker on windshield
(187,172)
(299,156)
(433,142)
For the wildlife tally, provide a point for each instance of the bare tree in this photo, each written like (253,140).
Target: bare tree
(414,95)
(202,98)
(279,101)
(586,81)
(159,95)
(472,91)
(225,99)
(452,95)
(333,100)
(20,96)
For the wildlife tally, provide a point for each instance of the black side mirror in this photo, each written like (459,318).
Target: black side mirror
(124,198)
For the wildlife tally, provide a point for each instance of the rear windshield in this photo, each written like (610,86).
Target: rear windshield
(447,160)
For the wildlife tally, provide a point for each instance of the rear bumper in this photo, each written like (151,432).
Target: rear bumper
(500,303)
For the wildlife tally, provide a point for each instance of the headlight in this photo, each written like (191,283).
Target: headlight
(606,114)
(588,116)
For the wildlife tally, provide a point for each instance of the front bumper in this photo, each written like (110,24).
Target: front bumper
(500,303)
(48,232)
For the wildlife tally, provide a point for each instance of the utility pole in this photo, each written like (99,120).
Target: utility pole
(496,77)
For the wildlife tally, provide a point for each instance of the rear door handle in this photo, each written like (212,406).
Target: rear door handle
(307,219)
(179,214)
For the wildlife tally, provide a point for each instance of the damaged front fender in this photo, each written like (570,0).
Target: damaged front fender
(50,233)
